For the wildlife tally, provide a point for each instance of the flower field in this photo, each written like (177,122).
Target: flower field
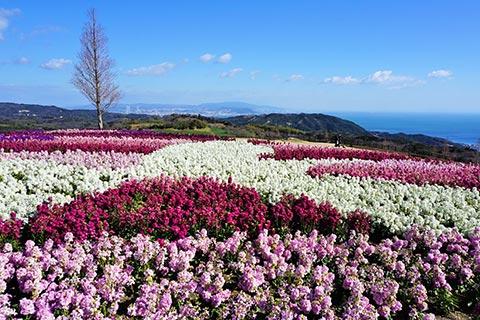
(144,225)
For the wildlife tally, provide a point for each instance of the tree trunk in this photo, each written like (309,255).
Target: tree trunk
(100,118)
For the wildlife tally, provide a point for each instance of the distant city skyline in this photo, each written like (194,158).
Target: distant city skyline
(302,56)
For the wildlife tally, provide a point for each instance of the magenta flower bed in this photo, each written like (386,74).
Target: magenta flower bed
(94,141)
(407,171)
(170,209)
(297,277)
(300,152)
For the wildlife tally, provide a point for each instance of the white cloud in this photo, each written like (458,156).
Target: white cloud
(253,74)
(207,57)
(232,73)
(22,60)
(440,74)
(55,64)
(341,80)
(154,70)
(227,57)
(295,77)
(4,22)
(386,76)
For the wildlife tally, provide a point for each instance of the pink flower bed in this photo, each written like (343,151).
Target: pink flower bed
(298,277)
(407,171)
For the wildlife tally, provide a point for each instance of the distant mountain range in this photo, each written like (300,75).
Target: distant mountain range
(220,109)
(52,117)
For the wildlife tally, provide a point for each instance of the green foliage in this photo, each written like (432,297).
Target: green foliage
(445,300)
(20,176)
(104,178)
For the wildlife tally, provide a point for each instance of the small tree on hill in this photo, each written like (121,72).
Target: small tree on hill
(93,75)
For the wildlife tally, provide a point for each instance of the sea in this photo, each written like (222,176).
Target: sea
(459,128)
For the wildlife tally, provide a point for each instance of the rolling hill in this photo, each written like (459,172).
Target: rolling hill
(301,121)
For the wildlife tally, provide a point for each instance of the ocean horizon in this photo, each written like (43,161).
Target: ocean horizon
(459,128)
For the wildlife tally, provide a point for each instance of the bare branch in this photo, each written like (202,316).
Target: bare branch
(93,75)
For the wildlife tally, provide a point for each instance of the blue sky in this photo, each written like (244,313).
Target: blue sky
(311,56)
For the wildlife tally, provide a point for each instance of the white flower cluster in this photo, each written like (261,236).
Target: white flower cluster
(393,205)
(24,184)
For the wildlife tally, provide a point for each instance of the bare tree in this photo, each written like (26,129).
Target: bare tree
(93,75)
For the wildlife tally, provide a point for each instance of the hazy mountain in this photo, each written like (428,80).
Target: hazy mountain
(220,109)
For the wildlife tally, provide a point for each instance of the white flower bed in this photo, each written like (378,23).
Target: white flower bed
(24,184)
